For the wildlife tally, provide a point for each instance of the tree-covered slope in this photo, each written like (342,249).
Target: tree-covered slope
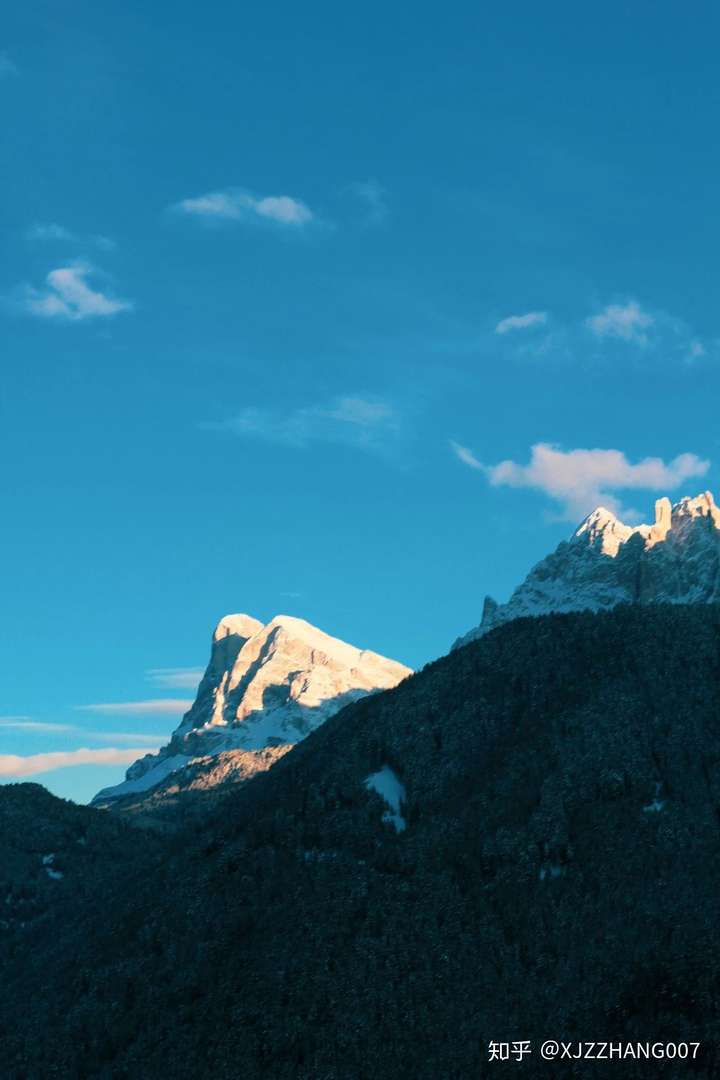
(558,877)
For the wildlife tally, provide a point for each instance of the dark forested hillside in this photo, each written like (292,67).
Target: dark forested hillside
(558,878)
(56,855)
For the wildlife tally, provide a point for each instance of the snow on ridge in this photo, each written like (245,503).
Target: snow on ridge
(149,779)
(676,560)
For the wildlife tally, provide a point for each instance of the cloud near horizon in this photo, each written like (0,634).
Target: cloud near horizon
(179,678)
(153,739)
(580,480)
(47,727)
(521,322)
(155,706)
(236,204)
(13,766)
(70,298)
(26,723)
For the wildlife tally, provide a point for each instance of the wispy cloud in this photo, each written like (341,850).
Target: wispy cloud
(180,678)
(236,204)
(43,727)
(145,739)
(14,766)
(579,480)
(373,196)
(153,707)
(357,421)
(624,330)
(24,723)
(8,67)
(69,297)
(50,231)
(625,321)
(521,322)
(466,456)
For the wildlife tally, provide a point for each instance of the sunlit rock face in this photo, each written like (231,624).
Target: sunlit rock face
(265,686)
(676,560)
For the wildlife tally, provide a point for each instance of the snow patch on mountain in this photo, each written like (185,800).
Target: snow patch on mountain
(147,779)
(675,560)
(390,788)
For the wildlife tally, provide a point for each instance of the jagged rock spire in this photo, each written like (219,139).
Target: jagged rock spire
(663,520)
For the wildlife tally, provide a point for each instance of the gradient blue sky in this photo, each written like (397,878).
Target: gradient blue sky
(257,271)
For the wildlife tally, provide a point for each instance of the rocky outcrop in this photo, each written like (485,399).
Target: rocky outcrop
(676,560)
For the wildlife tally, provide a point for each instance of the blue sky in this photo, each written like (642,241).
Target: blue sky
(314,310)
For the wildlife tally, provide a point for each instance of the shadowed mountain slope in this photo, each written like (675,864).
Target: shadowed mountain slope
(544,863)
(55,855)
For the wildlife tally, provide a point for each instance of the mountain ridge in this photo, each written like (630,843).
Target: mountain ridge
(605,563)
(555,872)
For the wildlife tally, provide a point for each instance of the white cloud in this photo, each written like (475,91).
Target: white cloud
(628,322)
(182,678)
(654,334)
(372,195)
(15,766)
(69,297)
(156,706)
(7,66)
(579,480)
(353,420)
(521,322)
(235,204)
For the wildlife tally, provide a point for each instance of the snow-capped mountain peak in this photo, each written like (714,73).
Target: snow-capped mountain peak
(603,529)
(674,560)
(264,686)
(236,625)
(229,637)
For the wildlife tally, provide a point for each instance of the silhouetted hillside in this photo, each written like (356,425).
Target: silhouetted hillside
(54,855)
(558,877)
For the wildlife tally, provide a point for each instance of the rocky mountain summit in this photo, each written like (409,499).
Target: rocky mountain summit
(265,687)
(676,560)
